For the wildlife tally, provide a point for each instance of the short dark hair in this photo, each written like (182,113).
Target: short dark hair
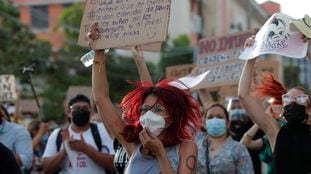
(79,98)
(220,106)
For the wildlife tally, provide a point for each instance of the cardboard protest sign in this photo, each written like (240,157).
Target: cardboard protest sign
(275,38)
(220,56)
(124,23)
(7,88)
(178,70)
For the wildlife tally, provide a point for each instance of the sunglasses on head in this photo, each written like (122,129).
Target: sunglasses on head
(75,108)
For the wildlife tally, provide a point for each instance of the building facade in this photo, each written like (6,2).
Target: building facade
(43,18)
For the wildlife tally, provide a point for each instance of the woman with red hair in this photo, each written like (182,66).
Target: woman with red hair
(290,143)
(268,88)
(158,126)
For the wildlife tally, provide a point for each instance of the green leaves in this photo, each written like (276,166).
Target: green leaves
(18,45)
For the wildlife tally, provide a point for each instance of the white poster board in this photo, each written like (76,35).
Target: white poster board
(7,88)
(275,38)
(190,82)
(124,23)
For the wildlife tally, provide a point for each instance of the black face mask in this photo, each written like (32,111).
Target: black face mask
(236,125)
(81,117)
(295,113)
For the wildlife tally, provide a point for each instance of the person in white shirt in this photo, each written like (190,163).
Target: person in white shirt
(79,151)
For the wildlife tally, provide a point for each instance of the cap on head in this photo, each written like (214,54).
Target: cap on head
(79,98)
(302,25)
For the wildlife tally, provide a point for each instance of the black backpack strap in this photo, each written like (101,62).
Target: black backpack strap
(96,136)
(59,139)
(207,156)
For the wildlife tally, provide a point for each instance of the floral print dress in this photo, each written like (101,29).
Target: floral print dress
(232,158)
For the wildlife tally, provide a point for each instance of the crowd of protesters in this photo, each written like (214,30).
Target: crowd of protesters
(160,128)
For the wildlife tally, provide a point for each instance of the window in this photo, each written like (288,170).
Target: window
(40,17)
(67,5)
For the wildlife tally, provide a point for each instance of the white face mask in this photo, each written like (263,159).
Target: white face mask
(27,121)
(155,123)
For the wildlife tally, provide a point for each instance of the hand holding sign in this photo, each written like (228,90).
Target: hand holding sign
(137,51)
(250,41)
(275,38)
(93,34)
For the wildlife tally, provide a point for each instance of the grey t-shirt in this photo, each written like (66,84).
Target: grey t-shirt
(150,165)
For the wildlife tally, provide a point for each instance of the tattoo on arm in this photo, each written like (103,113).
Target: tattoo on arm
(191,162)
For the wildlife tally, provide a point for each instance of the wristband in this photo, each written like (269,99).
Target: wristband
(249,136)
(101,65)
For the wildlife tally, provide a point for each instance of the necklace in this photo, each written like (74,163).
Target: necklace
(209,145)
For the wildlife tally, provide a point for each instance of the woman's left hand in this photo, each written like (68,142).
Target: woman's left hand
(304,38)
(137,51)
(151,142)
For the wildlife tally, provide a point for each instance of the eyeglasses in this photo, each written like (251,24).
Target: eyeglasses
(75,107)
(299,99)
(157,108)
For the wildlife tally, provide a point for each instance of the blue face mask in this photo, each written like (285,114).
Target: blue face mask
(216,127)
(237,114)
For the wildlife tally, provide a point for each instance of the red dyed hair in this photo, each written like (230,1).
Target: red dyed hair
(183,109)
(270,87)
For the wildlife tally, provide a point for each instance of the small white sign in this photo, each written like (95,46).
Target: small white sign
(7,88)
(191,81)
(275,38)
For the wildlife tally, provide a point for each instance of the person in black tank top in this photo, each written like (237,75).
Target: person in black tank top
(291,143)
(292,152)
(120,158)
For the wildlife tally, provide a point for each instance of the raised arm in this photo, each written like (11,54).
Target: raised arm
(205,98)
(141,65)
(256,112)
(44,127)
(100,88)
(248,141)
(204,94)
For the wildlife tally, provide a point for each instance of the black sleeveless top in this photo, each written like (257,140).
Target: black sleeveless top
(292,152)
(120,158)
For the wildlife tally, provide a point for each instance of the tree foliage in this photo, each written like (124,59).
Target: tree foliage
(177,53)
(18,45)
